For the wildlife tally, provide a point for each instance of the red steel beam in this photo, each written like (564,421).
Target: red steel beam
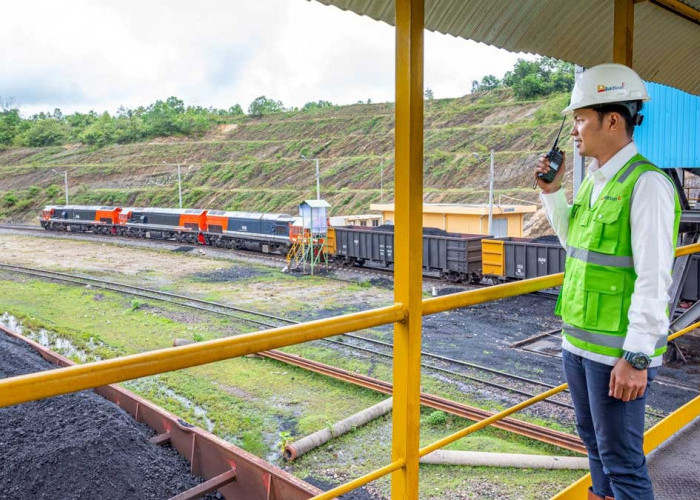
(213,484)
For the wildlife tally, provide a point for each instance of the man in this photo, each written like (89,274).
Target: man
(620,236)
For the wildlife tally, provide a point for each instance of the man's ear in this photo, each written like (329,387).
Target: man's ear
(615,121)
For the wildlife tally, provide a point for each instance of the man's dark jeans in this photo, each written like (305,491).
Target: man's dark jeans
(613,431)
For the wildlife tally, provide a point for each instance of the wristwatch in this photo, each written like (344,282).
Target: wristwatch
(638,360)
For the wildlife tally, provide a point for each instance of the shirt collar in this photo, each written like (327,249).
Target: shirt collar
(613,165)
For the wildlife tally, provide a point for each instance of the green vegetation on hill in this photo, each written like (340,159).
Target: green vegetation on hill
(254,163)
(531,79)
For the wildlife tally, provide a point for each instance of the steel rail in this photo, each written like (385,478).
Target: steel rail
(22,227)
(660,428)
(143,292)
(491,420)
(373,269)
(154,294)
(100,283)
(458,374)
(457,362)
(532,431)
(433,401)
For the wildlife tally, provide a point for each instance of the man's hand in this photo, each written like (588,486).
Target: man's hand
(626,382)
(543,167)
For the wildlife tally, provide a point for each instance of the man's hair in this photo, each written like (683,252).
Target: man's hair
(622,110)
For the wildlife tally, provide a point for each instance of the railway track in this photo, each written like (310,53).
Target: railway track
(371,271)
(534,432)
(250,316)
(279,260)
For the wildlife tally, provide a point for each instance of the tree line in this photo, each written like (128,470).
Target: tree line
(162,118)
(532,79)
(170,117)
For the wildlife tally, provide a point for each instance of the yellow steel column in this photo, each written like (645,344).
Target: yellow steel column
(623,34)
(408,245)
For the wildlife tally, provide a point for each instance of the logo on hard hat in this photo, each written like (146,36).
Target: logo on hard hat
(603,88)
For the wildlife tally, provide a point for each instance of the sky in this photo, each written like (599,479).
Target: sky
(80,55)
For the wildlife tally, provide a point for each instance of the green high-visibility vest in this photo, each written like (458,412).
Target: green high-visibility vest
(599,274)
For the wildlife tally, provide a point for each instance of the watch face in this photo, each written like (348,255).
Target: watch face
(638,360)
(640,363)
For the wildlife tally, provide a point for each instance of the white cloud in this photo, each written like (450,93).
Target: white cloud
(80,55)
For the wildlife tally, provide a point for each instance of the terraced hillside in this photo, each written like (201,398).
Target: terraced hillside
(255,163)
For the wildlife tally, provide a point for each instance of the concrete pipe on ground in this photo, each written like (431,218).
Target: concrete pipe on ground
(305,444)
(521,461)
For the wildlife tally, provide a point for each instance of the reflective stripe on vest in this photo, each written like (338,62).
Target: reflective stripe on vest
(631,168)
(601,339)
(602,259)
(599,277)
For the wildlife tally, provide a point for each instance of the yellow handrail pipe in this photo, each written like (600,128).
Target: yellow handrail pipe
(62,381)
(87,376)
(481,295)
(488,421)
(536,399)
(360,481)
(687,249)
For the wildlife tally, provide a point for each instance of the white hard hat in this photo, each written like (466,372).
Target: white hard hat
(606,84)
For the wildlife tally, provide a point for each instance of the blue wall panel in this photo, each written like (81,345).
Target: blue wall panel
(670,135)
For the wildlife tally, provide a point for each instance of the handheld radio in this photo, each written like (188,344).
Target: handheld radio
(555,158)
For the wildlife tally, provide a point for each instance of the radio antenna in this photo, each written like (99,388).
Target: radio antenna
(559,134)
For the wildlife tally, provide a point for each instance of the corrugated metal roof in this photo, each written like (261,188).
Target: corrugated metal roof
(669,135)
(666,46)
(315,203)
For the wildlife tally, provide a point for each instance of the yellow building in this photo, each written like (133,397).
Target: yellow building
(465,218)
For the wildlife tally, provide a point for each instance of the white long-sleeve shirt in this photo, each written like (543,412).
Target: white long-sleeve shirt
(651,220)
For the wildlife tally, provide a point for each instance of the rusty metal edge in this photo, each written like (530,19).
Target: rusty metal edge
(557,438)
(209,455)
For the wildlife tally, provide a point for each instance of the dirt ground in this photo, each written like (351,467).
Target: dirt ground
(95,258)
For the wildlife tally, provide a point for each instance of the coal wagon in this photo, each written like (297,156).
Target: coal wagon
(522,258)
(455,257)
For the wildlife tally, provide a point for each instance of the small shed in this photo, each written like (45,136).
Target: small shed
(467,218)
(314,215)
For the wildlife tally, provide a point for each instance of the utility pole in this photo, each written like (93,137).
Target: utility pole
(491,196)
(476,155)
(318,177)
(318,182)
(179,184)
(179,181)
(65,182)
(381,183)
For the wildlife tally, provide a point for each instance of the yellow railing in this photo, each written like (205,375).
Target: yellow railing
(405,313)
(79,377)
(45,384)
